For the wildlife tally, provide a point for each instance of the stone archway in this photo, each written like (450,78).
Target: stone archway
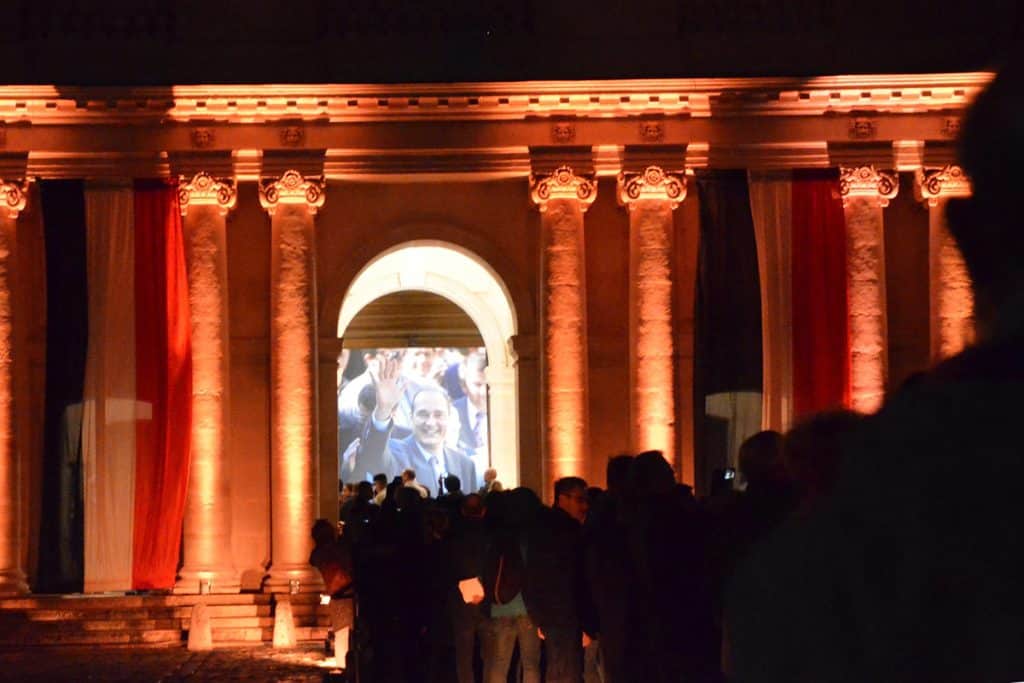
(467,280)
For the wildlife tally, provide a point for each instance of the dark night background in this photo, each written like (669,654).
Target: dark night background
(381,41)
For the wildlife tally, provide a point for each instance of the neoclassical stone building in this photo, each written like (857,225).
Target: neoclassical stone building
(561,216)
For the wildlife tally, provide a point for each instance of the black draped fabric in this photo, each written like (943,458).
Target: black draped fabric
(727,344)
(67,335)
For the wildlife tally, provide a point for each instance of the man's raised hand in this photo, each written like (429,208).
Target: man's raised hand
(389,385)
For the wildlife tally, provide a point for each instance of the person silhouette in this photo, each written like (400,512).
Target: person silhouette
(916,552)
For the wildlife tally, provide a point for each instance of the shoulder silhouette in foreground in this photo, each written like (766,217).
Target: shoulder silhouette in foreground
(915,551)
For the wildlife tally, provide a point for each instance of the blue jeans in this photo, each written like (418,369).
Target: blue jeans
(500,638)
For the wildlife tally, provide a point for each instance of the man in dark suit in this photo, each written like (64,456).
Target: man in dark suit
(424,450)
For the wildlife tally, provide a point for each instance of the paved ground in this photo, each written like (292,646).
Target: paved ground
(305,664)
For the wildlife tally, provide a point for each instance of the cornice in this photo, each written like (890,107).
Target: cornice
(79,164)
(502,101)
(483,130)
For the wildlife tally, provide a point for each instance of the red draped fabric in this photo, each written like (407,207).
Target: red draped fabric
(163,382)
(821,355)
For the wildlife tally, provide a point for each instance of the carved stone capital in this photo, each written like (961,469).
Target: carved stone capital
(292,188)
(562,184)
(651,183)
(868,181)
(13,197)
(205,190)
(937,183)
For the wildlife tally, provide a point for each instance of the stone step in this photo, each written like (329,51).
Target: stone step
(101,602)
(161,613)
(219,611)
(242,619)
(306,633)
(232,622)
(132,625)
(79,637)
(241,635)
(98,614)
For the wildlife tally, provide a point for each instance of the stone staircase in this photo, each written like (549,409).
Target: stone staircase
(239,619)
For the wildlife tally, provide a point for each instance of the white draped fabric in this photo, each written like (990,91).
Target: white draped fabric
(108,423)
(771,200)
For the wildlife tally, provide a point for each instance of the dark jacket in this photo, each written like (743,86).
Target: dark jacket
(918,552)
(555,590)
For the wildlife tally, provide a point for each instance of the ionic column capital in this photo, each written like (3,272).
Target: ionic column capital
(868,182)
(205,190)
(13,197)
(651,183)
(933,184)
(562,184)
(292,188)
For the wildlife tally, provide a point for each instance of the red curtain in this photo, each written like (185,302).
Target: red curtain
(821,353)
(164,381)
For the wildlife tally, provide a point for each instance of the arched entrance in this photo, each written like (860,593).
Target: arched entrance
(467,280)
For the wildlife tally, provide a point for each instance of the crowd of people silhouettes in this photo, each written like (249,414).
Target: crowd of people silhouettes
(885,547)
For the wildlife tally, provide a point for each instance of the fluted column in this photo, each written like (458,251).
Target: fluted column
(951,298)
(12,574)
(651,197)
(292,202)
(866,191)
(562,198)
(205,203)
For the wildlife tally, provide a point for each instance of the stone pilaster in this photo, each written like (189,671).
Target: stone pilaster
(651,197)
(205,203)
(563,197)
(292,202)
(12,574)
(866,191)
(951,297)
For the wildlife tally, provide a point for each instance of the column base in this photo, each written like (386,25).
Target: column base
(221,581)
(279,579)
(13,582)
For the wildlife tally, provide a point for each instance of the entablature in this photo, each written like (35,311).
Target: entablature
(483,128)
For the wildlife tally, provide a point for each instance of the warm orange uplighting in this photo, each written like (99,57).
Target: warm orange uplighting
(866,191)
(651,197)
(12,575)
(205,203)
(952,298)
(292,202)
(563,197)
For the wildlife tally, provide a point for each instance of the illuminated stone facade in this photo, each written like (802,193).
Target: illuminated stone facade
(516,175)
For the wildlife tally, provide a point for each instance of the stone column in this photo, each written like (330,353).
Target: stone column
(651,197)
(951,298)
(12,574)
(866,191)
(292,202)
(205,203)
(562,198)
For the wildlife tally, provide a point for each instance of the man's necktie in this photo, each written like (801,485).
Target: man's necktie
(480,430)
